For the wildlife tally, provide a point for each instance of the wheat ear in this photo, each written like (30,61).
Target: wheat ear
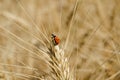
(58,64)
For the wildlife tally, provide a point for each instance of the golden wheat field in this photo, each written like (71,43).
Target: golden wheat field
(89,33)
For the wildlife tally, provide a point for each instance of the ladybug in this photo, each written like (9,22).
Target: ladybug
(55,39)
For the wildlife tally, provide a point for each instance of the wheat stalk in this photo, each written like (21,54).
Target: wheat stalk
(58,63)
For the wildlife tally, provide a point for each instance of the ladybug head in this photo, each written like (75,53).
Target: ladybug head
(53,35)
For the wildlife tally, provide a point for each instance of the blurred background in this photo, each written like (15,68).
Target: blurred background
(93,42)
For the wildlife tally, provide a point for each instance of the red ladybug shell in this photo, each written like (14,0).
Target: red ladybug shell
(55,39)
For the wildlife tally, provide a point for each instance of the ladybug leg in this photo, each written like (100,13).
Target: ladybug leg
(53,41)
